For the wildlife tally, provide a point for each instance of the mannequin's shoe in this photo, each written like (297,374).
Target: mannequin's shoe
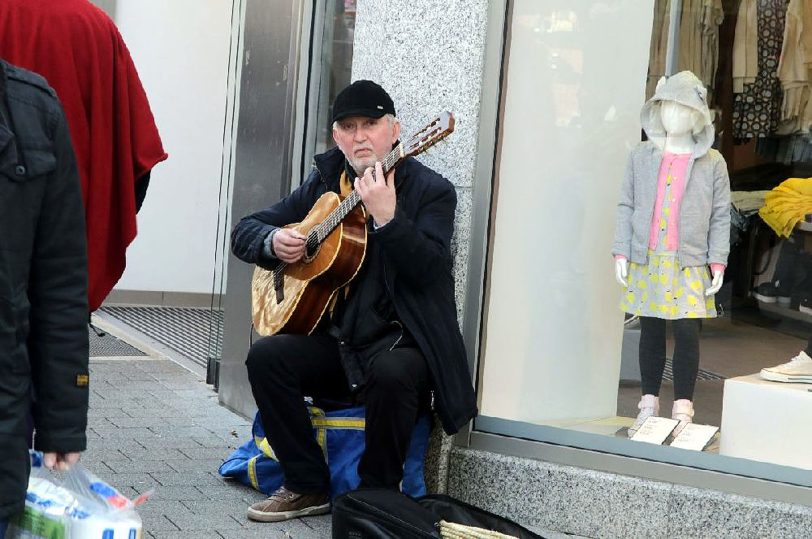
(649,406)
(683,411)
(798,370)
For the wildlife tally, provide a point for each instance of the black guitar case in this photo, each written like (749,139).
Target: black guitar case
(387,514)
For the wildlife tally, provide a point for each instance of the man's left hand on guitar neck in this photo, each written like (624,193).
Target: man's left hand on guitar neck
(378,194)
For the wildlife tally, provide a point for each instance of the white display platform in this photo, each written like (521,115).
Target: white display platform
(767,421)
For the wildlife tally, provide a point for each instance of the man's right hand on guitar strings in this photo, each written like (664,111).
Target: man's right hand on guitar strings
(288,245)
(378,193)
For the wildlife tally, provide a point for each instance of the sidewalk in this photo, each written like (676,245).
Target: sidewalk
(155,425)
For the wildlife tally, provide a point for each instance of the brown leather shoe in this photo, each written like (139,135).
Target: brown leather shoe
(285,504)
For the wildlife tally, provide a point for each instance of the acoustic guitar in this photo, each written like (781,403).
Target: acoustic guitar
(292,298)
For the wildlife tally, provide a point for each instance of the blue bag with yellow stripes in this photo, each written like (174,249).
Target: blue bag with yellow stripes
(340,434)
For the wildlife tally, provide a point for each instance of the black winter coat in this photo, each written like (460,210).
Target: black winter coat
(417,263)
(43,282)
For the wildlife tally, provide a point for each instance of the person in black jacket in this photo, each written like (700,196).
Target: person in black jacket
(392,340)
(43,286)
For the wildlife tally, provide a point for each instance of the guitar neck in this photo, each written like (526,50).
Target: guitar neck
(353,199)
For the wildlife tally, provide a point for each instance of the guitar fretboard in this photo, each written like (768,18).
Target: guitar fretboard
(348,204)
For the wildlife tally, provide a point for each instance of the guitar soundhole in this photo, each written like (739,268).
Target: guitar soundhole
(311,247)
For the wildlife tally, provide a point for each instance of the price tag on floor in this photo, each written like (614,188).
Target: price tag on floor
(655,430)
(694,437)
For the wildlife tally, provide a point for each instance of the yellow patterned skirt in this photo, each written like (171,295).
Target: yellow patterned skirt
(661,289)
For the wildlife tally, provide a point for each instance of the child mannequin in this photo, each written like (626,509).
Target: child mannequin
(673,221)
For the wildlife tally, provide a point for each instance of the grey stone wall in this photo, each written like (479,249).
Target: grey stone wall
(429,54)
(545,496)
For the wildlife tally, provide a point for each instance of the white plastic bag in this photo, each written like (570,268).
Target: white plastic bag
(77,505)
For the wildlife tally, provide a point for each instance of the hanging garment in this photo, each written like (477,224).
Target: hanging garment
(690,37)
(794,72)
(698,41)
(713,14)
(699,38)
(659,45)
(787,204)
(78,49)
(745,46)
(757,108)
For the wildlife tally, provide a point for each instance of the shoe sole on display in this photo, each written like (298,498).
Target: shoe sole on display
(784,300)
(786,378)
(763,298)
(805,310)
(261,516)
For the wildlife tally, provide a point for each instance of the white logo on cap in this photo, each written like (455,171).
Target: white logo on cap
(380,107)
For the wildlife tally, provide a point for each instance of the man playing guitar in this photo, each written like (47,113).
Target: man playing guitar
(390,339)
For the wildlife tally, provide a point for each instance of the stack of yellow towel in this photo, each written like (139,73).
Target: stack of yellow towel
(787,204)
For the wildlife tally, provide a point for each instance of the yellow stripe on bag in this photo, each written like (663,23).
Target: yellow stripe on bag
(266,448)
(252,472)
(340,422)
(321,423)
(321,438)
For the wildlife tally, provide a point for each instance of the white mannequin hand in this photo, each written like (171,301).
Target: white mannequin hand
(621,271)
(716,283)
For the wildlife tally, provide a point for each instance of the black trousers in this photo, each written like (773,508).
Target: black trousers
(686,355)
(283,369)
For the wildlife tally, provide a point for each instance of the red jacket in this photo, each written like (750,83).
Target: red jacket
(78,49)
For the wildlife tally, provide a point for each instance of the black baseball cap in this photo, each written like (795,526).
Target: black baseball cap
(362,98)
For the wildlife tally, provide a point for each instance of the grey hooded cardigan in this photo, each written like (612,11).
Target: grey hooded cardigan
(704,214)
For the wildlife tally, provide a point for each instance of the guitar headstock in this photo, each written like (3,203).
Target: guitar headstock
(439,128)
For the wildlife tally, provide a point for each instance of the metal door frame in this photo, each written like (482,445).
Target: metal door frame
(271,94)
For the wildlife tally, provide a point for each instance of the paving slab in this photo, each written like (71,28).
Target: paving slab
(154,425)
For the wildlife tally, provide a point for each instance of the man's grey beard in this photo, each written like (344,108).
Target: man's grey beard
(361,165)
